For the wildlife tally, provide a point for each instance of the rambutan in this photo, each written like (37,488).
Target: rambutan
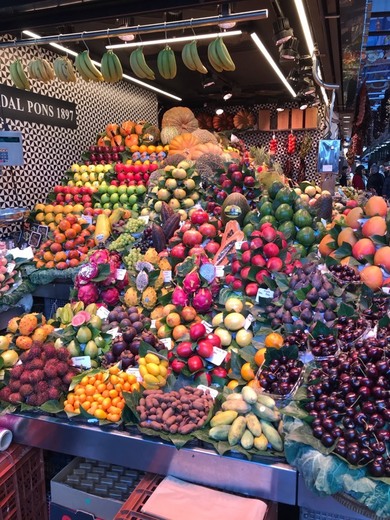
(56,382)
(34,352)
(37,375)
(54,393)
(63,354)
(41,387)
(67,378)
(15,398)
(36,363)
(25,390)
(50,371)
(16,372)
(42,397)
(32,400)
(25,377)
(50,351)
(62,368)
(14,385)
(5,393)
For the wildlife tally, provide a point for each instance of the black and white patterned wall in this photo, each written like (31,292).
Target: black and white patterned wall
(49,151)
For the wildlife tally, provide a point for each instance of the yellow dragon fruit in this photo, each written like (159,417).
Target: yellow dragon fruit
(131,297)
(149,298)
(151,256)
(28,324)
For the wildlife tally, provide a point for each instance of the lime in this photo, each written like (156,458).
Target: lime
(301,250)
(306,236)
(248,229)
(302,218)
(288,229)
(284,213)
(274,189)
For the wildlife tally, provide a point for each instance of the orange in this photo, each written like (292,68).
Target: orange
(58,218)
(134,148)
(49,208)
(259,356)
(151,148)
(70,233)
(64,225)
(247,372)
(50,265)
(143,148)
(48,256)
(233,383)
(77,228)
(274,340)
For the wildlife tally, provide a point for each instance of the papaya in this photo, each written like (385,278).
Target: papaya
(103,229)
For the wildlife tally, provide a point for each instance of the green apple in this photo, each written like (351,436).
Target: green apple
(105,198)
(116,205)
(112,189)
(131,189)
(107,205)
(123,198)
(114,197)
(140,189)
(102,189)
(135,207)
(133,199)
(97,205)
(122,189)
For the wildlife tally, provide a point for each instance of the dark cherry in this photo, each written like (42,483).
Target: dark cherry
(327,440)
(379,448)
(377,467)
(364,439)
(310,406)
(378,392)
(366,455)
(364,391)
(337,432)
(383,435)
(321,405)
(348,423)
(350,398)
(377,420)
(353,456)
(368,407)
(349,434)
(360,418)
(318,432)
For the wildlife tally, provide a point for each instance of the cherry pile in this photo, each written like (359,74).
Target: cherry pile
(298,338)
(378,309)
(349,330)
(350,405)
(281,376)
(344,274)
(323,345)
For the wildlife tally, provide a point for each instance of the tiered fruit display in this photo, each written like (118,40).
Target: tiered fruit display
(51,215)
(27,329)
(74,195)
(72,239)
(349,406)
(248,419)
(44,374)
(100,394)
(8,273)
(89,175)
(363,241)
(238,178)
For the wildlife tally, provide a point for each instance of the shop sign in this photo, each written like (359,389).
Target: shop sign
(27,106)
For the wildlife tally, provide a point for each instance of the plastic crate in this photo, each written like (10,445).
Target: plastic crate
(22,484)
(132,508)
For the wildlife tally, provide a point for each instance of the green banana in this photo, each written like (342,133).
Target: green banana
(223,55)
(63,69)
(111,67)
(213,57)
(196,59)
(186,56)
(86,68)
(116,66)
(77,63)
(166,63)
(171,63)
(134,65)
(18,76)
(139,66)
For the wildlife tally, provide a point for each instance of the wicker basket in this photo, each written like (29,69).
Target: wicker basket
(22,484)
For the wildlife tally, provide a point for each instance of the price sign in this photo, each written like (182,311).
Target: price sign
(10,267)
(213,392)
(102,312)
(81,361)
(167,342)
(219,271)
(144,218)
(167,275)
(120,274)
(208,327)
(264,293)
(153,324)
(135,372)
(113,332)
(239,245)
(217,356)
(248,321)
(88,219)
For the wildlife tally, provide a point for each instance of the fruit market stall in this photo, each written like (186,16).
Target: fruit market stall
(220,317)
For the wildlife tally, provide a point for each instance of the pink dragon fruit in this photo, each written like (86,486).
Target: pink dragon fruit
(179,297)
(87,273)
(101,256)
(111,278)
(110,296)
(116,259)
(88,293)
(191,282)
(202,300)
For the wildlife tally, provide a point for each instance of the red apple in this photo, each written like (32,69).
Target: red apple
(271,249)
(214,339)
(237,285)
(177,366)
(197,331)
(204,348)
(251,289)
(246,257)
(275,263)
(260,276)
(219,372)
(236,266)
(244,273)
(256,243)
(195,363)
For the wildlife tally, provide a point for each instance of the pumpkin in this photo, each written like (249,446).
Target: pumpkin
(168,133)
(203,148)
(180,117)
(205,121)
(223,122)
(112,129)
(205,136)
(234,207)
(183,144)
(131,140)
(127,128)
(243,119)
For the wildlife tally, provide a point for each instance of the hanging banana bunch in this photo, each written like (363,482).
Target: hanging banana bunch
(18,76)
(166,63)
(139,66)
(191,59)
(111,67)
(219,56)
(41,70)
(63,69)
(86,68)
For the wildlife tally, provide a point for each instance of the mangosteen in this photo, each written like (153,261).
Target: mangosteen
(134,316)
(139,326)
(122,316)
(129,334)
(117,348)
(114,324)
(149,337)
(132,310)
(134,346)
(113,316)
(124,324)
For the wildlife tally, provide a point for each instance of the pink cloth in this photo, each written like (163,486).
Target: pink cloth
(176,499)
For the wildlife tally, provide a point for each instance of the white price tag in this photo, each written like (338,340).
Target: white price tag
(219,271)
(372,333)
(212,391)
(264,293)
(181,224)
(167,275)
(102,312)
(113,332)
(248,321)
(153,324)
(239,245)
(88,219)
(144,218)
(81,361)
(386,290)
(120,274)
(10,267)
(167,342)
(208,326)
(218,356)
(135,372)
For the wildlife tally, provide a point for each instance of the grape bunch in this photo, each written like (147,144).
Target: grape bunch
(122,242)
(132,258)
(134,225)
(145,241)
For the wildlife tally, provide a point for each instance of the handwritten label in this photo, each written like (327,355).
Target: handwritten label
(120,274)
(167,342)
(153,324)
(10,267)
(144,218)
(219,271)
(212,391)
(135,372)
(167,275)
(217,356)
(102,312)
(248,321)
(81,361)
(208,326)
(113,332)
(264,293)
(239,244)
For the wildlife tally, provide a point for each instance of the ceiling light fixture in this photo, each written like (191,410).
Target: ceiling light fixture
(98,64)
(208,81)
(128,37)
(280,108)
(289,49)
(282,30)
(219,111)
(272,62)
(226,11)
(163,41)
(227,93)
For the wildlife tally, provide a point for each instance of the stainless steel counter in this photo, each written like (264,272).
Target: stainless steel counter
(272,481)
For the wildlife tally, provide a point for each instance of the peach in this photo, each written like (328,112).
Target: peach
(372,276)
(376,206)
(353,217)
(346,235)
(363,247)
(324,247)
(382,258)
(374,226)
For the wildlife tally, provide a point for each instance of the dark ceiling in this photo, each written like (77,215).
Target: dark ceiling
(252,81)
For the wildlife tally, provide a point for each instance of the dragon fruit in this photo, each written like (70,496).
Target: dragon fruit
(101,256)
(111,278)
(121,284)
(179,296)
(86,274)
(110,296)
(116,259)
(88,293)
(202,300)
(191,282)
(214,288)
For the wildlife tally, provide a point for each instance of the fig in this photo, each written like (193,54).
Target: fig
(306,316)
(312,295)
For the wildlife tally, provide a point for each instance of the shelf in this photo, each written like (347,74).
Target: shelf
(272,481)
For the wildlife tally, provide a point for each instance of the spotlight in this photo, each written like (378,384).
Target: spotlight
(289,49)
(208,81)
(280,107)
(219,111)
(308,86)
(225,10)
(282,30)
(226,93)
(303,103)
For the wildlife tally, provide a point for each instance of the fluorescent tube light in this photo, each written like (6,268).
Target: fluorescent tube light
(98,64)
(272,62)
(305,26)
(163,41)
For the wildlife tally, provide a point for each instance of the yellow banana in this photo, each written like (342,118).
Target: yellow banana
(213,58)
(223,55)
(18,76)
(196,59)
(186,56)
